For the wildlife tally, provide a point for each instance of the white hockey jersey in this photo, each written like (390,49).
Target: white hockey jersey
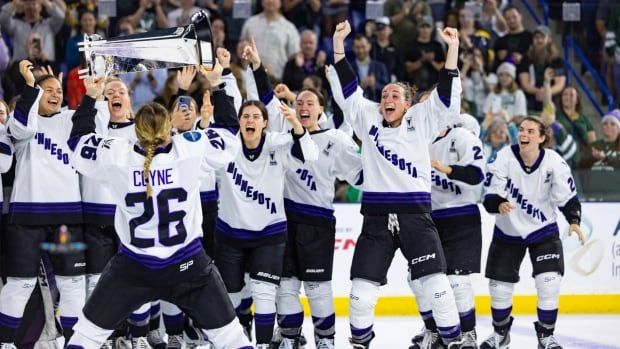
(452,197)
(309,189)
(165,228)
(6,155)
(397,171)
(97,201)
(46,188)
(251,192)
(535,192)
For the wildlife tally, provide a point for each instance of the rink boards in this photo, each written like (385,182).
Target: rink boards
(591,283)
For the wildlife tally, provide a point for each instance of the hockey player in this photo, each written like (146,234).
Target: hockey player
(396,202)
(46,195)
(308,202)
(156,183)
(251,226)
(458,172)
(524,186)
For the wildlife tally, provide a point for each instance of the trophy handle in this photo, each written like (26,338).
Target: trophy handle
(204,35)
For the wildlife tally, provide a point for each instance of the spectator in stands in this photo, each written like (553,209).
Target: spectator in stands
(4,111)
(88,26)
(149,16)
(507,100)
(384,51)
(451,19)
(514,45)
(75,86)
(183,14)
(333,12)
(22,18)
(74,12)
(303,14)
(474,80)
(36,54)
(612,48)
(306,62)
(494,138)
(276,38)
(404,16)
(218,29)
(562,141)
(571,116)
(239,67)
(170,90)
(492,20)
(372,75)
(470,37)
(125,26)
(606,151)
(426,57)
(542,55)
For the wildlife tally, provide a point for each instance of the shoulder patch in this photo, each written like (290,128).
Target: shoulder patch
(192,136)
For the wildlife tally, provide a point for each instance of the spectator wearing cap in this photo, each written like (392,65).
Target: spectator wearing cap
(542,55)
(606,151)
(514,45)
(507,100)
(404,16)
(426,57)
(384,51)
(306,62)
(372,75)
(31,21)
(276,38)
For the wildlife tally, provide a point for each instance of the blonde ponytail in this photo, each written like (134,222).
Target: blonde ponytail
(153,128)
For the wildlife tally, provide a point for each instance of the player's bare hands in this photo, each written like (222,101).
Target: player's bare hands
(250,53)
(185,76)
(223,55)
(206,111)
(49,71)
(290,116)
(505,207)
(179,116)
(343,29)
(441,167)
(94,86)
(450,36)
(213,75)
(576,229)
(283,92)
(25,69)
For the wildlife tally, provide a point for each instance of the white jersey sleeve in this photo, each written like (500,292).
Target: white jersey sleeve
(222,147)
(302,148)
(6,151)
(102,120)
(23,122)
(438,112)
(232,90)
(563,185)
(348,166)
(470,152)
(94,152)
(350,99)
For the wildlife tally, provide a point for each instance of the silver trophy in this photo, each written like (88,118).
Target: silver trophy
(166,48)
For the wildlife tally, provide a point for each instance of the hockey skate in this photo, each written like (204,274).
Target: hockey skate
(362,345)
(289,343)
(155,340)
(140,343)
(500,338)
(176,342)
(469,340)
(546,340)
(418,339)
(325,343)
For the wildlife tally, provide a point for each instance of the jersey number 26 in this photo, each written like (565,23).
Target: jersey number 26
(165,217)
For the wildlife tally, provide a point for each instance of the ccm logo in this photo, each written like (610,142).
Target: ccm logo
(547,257)
(417,260)
(186,265)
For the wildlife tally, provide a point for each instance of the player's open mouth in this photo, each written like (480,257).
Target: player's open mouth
(389,111)
(116,106)
(304,116)
(53,102)
(250,130)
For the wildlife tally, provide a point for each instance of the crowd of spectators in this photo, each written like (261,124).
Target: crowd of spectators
(508,71)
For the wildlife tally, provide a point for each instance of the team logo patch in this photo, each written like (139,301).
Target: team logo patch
(452,146)
(192,136)
(410,126)
(548,177)
(327,149)
(272,158)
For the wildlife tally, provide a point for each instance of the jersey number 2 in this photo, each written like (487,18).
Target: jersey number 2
(165,217)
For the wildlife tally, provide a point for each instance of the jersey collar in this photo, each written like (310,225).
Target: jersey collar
(158,150)
(117,125)
(253,154)
(534,167)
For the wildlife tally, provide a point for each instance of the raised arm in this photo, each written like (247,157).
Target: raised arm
(229,80)
(266,95)
(24,123)
(344,84)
